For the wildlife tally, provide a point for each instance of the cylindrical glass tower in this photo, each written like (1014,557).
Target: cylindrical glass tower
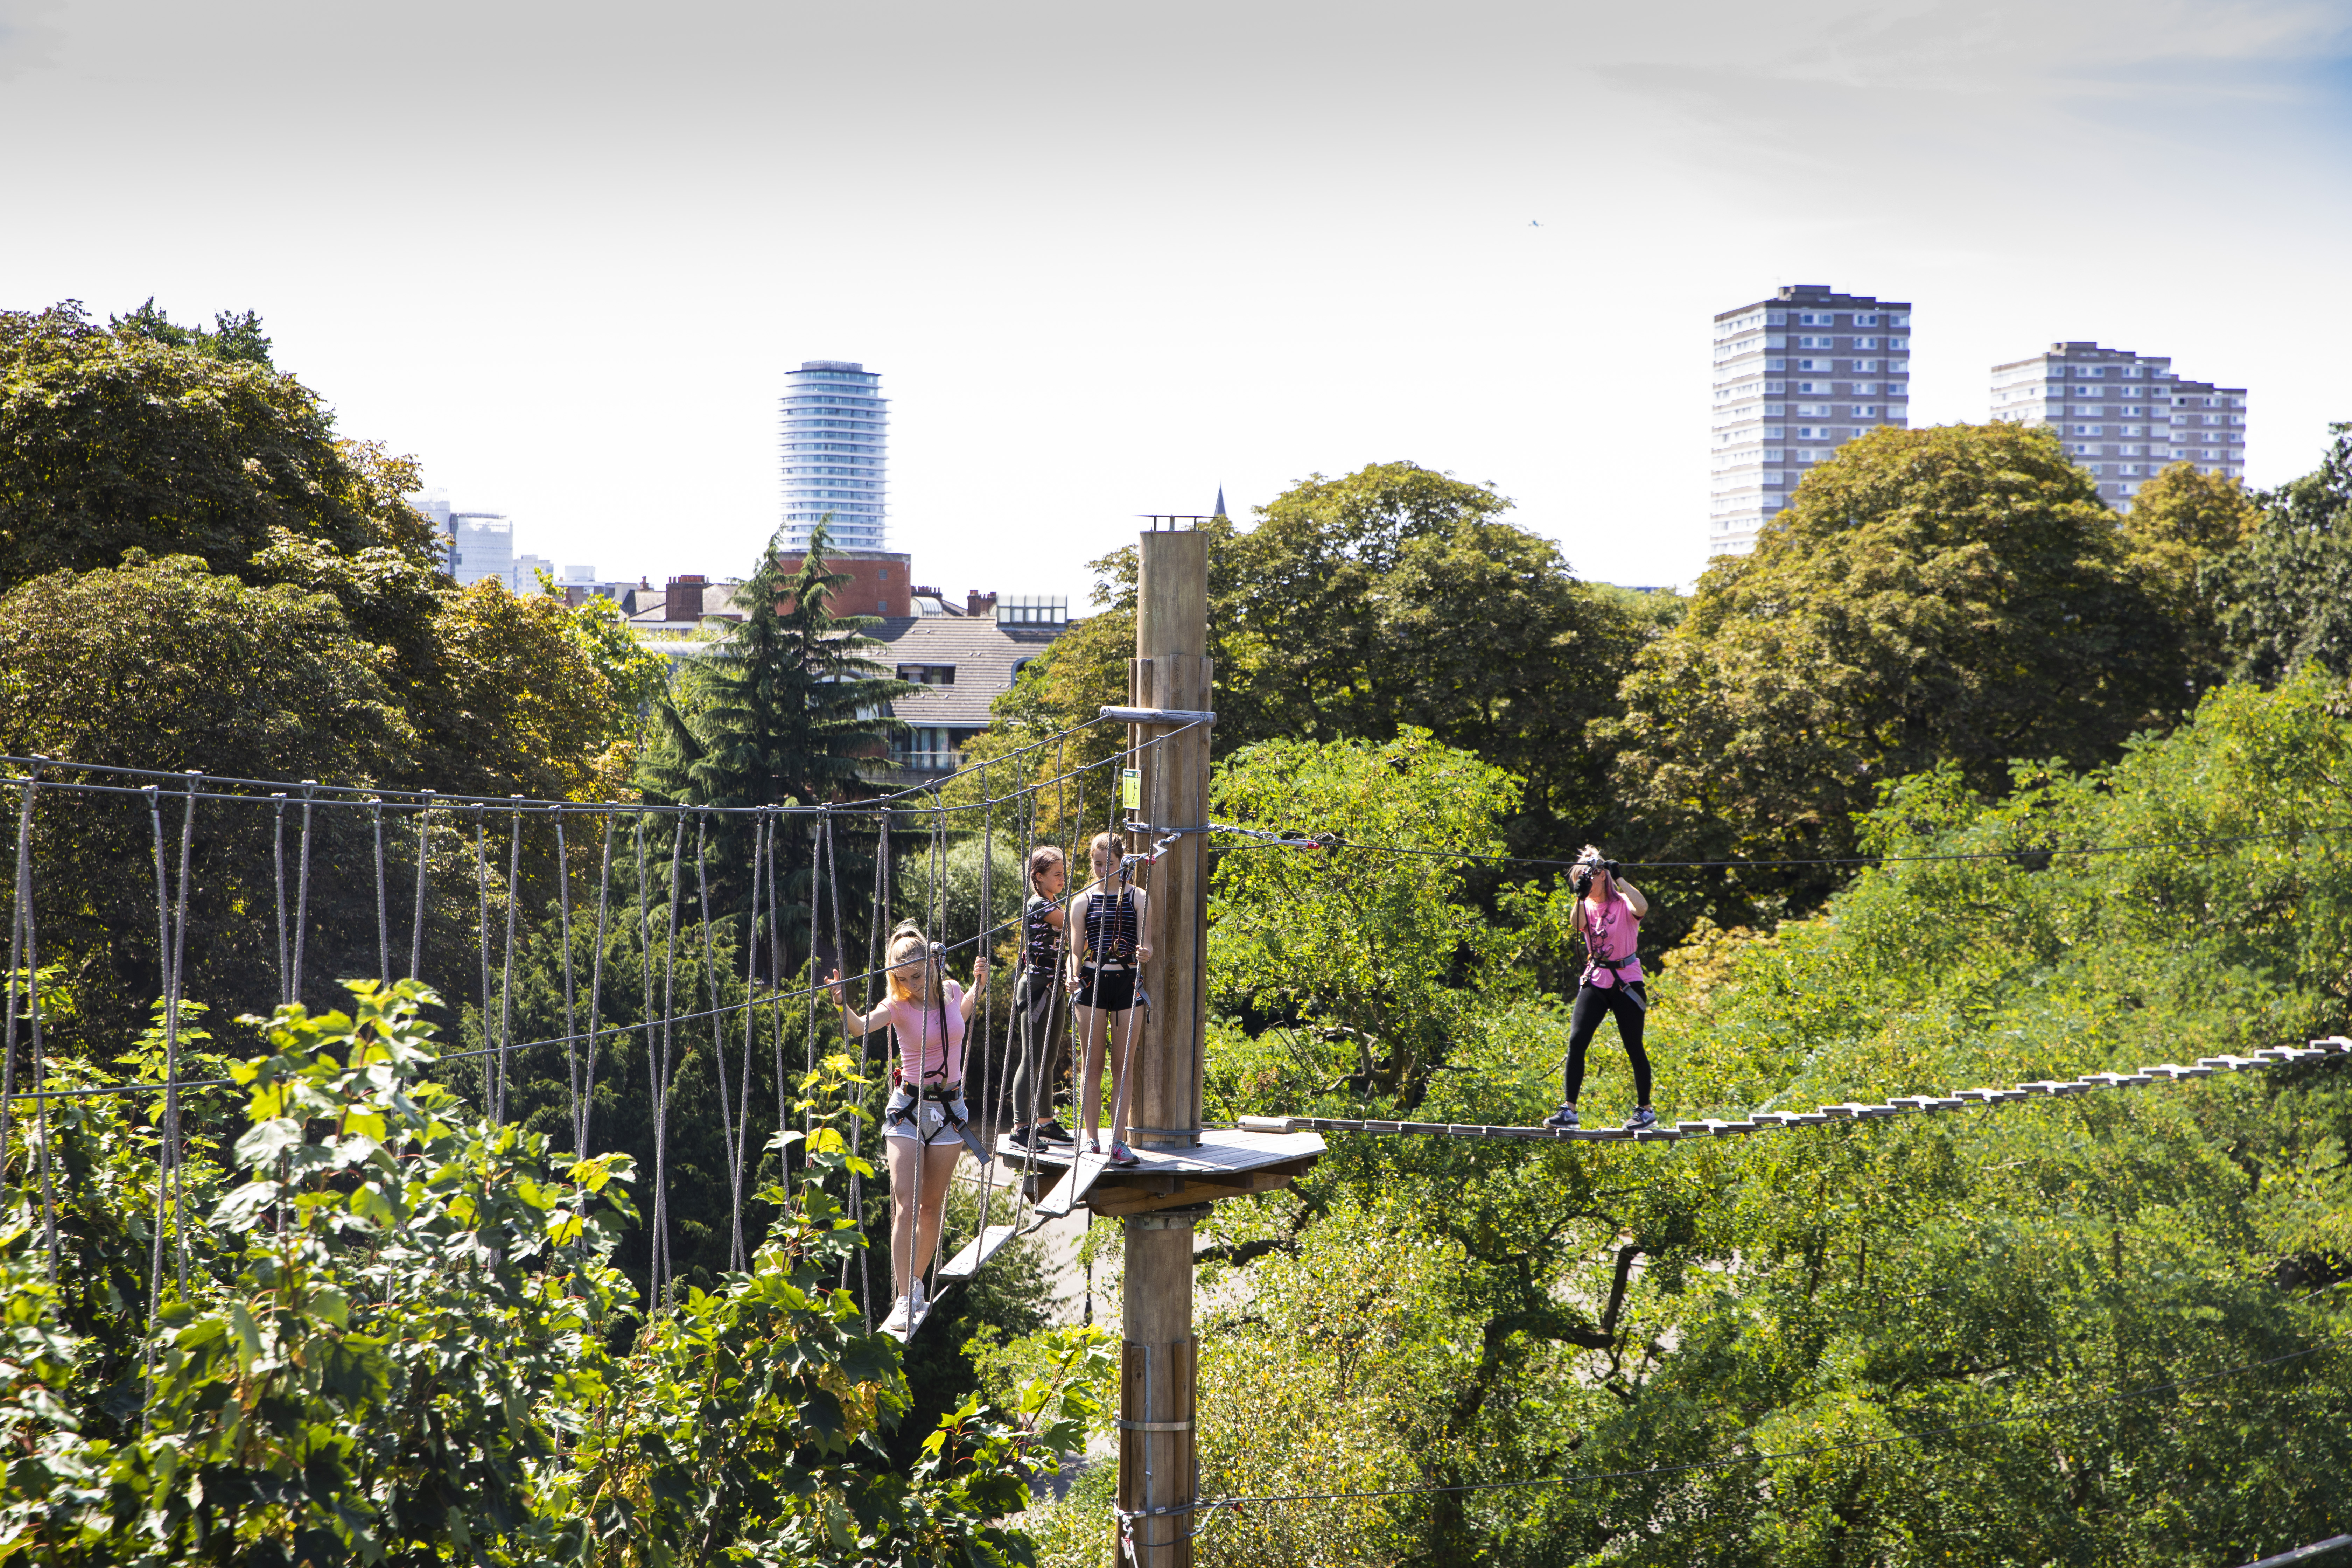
(836,429)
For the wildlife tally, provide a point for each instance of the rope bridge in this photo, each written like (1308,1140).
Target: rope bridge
(1770,1120)
(659,911)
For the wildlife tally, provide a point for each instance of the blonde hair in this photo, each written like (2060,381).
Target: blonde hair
(911,976)
(1104,844)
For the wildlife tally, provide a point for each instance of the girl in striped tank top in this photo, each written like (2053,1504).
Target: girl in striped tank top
(1109,926)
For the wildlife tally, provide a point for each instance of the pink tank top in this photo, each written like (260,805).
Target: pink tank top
(924,1056)
(1611,934)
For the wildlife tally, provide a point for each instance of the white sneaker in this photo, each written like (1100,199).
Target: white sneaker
(922,1304)
(900,1316)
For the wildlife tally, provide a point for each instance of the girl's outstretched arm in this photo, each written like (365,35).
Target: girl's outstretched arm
(853,1024)
(979,987)
(1633,898)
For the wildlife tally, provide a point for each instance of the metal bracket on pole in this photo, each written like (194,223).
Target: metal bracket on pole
(1158,716)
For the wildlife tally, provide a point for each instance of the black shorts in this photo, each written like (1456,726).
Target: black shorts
(1112,989)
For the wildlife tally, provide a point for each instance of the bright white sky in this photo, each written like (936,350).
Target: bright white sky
(1109,258)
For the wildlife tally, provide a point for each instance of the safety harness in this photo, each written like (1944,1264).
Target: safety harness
(1633,988)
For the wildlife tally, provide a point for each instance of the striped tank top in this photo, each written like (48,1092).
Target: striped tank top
(1111,929)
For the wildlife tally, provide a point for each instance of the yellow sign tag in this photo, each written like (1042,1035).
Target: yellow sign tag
(1130,787)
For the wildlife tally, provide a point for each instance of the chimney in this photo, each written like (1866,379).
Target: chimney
(682,597)
(977,603)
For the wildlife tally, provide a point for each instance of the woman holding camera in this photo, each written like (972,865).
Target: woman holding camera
(1609,918)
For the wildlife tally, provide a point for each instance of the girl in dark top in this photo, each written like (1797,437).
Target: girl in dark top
(1609,918)
(1044,1046)
(1110,924)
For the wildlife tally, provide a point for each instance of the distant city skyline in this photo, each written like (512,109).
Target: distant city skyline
(612,250)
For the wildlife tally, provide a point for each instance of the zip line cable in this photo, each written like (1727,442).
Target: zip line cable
(1272,840)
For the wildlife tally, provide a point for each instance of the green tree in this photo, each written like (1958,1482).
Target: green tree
(116,439)
(2283,595)
(366,670)
(787,709)
(1394,597)
(395,1343)
(1951,594)
(2183,523)
(230,337)
(2132,1306)
(1358,961)
(786,705)
(163,664)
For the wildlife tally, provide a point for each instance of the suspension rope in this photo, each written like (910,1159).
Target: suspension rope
(163,1154)
(361,794)
(646,1010)
(285,973)
(874,954)
(571,1015)
(506,979)
(416,930)
(718,1041)
(383,913)
(668,1059)
(987,1104)
(172,996)
(302,895)
(25,957)
(482,941)
(761,830)
(587,1108)
(775,951)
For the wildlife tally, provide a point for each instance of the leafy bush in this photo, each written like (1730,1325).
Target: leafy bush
(395,1345)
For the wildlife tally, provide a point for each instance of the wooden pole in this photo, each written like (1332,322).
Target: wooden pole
(1172,647)
(1157,1473)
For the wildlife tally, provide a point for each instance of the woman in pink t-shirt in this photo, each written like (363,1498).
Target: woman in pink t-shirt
(1609,918)
(922,1124)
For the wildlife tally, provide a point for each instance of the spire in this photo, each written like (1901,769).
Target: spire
(1221,501)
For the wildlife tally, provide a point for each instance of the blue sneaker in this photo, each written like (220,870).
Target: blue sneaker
(1642,1117)
(1564,1119)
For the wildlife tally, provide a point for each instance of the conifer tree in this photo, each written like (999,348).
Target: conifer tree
(789,708)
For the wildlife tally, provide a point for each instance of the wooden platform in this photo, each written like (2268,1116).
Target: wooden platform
(1227,1163)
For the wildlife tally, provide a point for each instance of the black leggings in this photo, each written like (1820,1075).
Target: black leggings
(1591,1002)
(1041,1021)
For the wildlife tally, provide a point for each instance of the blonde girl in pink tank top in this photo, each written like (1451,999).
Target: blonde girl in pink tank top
(929,1015)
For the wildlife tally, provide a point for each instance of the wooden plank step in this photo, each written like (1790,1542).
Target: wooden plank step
(977,1251)
(930,1302)
(1272,1124)
(1075,1186)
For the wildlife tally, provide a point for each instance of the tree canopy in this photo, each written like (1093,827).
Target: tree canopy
(2070,1332)
(2286,598)
(1392,598)
(1957,594)
(123,437)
